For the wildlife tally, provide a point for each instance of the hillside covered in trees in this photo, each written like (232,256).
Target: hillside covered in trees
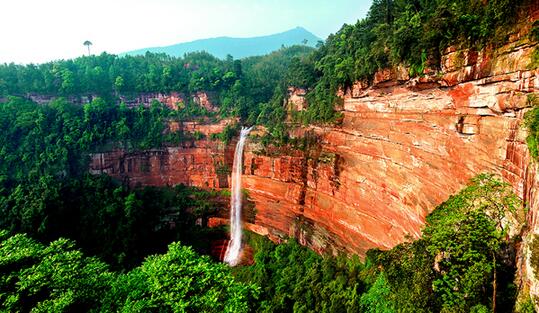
(115,256)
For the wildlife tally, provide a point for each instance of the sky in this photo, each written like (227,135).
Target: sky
(35,31)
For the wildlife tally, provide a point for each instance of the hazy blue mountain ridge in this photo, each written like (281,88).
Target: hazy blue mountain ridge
(237,47)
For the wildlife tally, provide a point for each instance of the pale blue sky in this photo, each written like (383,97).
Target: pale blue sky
(41,30)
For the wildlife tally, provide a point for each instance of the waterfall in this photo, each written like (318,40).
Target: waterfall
(234,245)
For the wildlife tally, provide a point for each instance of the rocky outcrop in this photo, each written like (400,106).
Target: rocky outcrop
(203,163)
(296,99)
(43,99)
(173,100)
(202,99)
(404,146)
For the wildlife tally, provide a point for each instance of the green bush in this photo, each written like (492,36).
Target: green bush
(531,120)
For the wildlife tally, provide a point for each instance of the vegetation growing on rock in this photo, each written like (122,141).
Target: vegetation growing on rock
(462,263)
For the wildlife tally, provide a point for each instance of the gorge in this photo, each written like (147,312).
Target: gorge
(404,146)
(393,168)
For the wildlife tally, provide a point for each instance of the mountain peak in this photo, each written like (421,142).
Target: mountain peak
(238,47)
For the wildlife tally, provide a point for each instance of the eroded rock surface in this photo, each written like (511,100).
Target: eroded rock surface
(203,163)
(404,146)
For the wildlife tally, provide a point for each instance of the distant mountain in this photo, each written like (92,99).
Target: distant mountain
(237,47)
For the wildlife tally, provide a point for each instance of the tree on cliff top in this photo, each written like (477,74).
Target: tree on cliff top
(87,43)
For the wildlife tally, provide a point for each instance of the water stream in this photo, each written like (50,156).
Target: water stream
(232,255)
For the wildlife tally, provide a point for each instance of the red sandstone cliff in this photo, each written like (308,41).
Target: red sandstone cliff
(404,146)
(171,100)
(203,163)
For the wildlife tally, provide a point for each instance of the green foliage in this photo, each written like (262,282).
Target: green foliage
(451,268)
(322,101)
(293,278)
(105,74)
(56,278)
(119,225)
(59,278)
(532,123)
(301,72)
(377,298)
(54,139)
(408,272)
(238,86)
(191,110)
(525,306)
(229,132)
(273,115)
(198,135)
(466,235)
(264,74)
(180,281)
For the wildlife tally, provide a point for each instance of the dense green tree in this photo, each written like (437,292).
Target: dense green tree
(119,225)
(378,298)
(179,281)
(463,261)
(293,278)
(59,278)
(407,271)
(56,278)
(467,235)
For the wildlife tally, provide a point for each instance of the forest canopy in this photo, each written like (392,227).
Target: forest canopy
(411,33)
(59,278)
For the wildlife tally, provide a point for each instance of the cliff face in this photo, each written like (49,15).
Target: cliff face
(171,100)
(404,147)
(203,163)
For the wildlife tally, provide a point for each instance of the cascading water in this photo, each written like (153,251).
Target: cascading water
(234,245)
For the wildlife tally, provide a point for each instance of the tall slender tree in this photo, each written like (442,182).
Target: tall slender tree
(88,43)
